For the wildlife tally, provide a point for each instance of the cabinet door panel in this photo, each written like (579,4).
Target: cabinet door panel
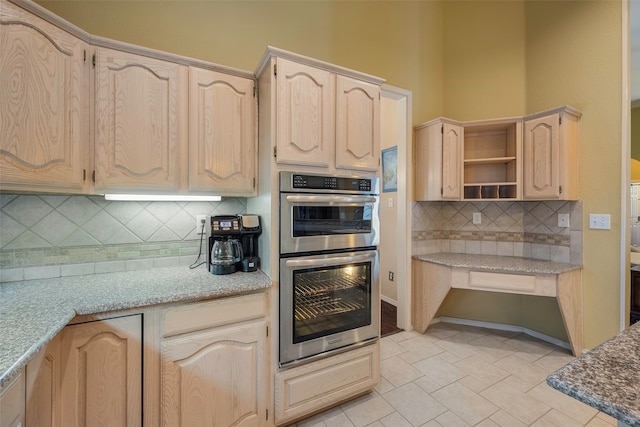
(12,403)
(222,133)
(215,378)
(44,140)
(452,137)
(357,125)
(542,158)
(139,122)
(42,376)
(102,379)
(305,118)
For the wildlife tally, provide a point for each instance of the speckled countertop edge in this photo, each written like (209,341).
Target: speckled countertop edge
(607,377)
(33,312)
(497,263)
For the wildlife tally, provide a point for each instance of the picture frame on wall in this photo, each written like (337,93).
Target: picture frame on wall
(390,170)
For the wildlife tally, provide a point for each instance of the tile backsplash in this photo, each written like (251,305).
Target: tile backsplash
(53,230)
(528,229)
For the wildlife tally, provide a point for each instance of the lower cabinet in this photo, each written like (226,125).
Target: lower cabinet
(12,403)
(90,374)
(305,389)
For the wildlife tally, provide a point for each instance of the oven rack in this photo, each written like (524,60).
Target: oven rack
(317,284)
(313,307)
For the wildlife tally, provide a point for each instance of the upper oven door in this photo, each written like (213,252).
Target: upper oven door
(320,222)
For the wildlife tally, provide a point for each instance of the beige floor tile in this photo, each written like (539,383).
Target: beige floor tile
(554,360)
(526,375)
(414,404)
(432,423)
(404,335)
(410,357)
(505,419)
(524,407)
(462,350)
(466,404)
(389,349)
(395,420)
(492,348)
(553,418)
(568,406)
(443,330)
(487,423)
(606,418)
(398,372)
(422,346)
(529,348)
(428,384)
(384,386)
(366,409)
(485,372)
(441,371)
(473,383)
(449,419)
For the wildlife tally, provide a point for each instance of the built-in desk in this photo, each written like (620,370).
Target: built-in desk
(434,275)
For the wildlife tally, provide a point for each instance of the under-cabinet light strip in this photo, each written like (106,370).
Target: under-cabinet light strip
(161,198)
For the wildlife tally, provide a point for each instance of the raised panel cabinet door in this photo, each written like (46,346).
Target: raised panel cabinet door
(44,121)
(101,382)
(215,378)
(222,133)
(140,122)
(452,137)
(357,125)
(12,403)
(305,119)
(43,376)
(541,158)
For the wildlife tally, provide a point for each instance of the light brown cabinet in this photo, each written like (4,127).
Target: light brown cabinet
(438,151)
(550,155)
(222,133)
(12,403)
(517,158)
(140,123)
(44,114)
(89,374)
(213,363)
(320,115)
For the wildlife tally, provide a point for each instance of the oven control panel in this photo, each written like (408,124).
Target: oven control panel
(321,182)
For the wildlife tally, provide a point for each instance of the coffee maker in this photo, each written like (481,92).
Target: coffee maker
(233,244)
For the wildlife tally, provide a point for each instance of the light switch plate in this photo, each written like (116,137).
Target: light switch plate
(477,218)
(600,221)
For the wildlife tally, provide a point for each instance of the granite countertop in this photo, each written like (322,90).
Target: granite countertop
(607,377)
(505,264)
(32,312)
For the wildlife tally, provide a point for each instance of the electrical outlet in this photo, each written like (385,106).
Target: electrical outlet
(600,221)
(563,220)
(201,224)
(391,276)
(477,218)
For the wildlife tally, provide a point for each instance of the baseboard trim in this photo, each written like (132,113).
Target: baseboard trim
(503,327)
(389,300)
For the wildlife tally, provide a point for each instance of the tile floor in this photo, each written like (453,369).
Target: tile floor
(456,375)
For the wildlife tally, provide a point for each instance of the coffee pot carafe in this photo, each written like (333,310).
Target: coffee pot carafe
(225,256)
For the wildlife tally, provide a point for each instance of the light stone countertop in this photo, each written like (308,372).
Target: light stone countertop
(497,263)
(32,312)
(607,377)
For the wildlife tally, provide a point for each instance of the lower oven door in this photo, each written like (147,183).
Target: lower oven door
(327,302)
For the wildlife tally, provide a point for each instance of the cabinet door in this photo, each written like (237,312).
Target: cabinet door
(452,137)
(101,380)
(42,375)
(222,133)
(140,123)
(44,140)
(305,114)
(541,158)
(12,403)
(215,378)
(357,125)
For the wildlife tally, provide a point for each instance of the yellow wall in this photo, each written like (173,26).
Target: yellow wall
(635,133)
(464,59)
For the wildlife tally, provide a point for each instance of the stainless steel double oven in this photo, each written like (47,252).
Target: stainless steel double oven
(329,277)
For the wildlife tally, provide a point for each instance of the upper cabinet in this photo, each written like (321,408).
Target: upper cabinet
(318,115)
(83,115)
(305,118)
(550,153)
(438,150)
(44,143)
(357,124)
(139,122)
(222,133)
(530,158)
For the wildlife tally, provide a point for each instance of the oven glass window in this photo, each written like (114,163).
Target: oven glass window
(328,220)
(329,300)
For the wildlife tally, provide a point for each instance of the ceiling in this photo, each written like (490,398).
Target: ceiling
(635,49)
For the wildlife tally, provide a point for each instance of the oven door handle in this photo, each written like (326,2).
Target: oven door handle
(333,260)
(330,200)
